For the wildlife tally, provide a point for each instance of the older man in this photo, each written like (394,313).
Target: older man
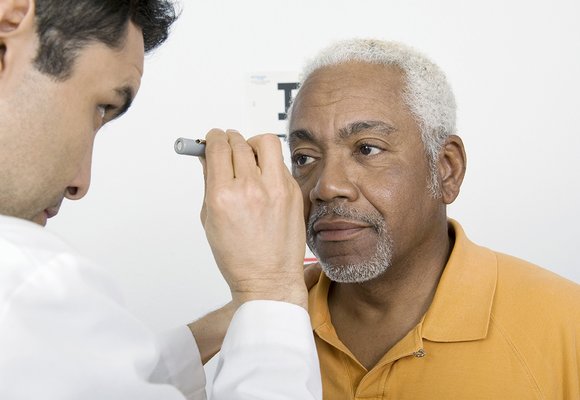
(407,306)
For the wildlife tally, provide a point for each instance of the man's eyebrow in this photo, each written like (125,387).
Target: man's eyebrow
(126,93)
(351,129)
(300,134)
(357,127)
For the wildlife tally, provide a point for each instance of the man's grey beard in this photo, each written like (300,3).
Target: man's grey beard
(366,270)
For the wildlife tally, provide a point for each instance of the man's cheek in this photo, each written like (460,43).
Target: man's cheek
(307,204)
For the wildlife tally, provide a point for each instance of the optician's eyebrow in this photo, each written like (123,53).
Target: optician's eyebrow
(354,128)
(126,93)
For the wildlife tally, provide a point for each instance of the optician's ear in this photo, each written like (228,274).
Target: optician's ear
(452,164)
(16,20)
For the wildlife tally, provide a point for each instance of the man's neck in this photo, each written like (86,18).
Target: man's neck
(371,317)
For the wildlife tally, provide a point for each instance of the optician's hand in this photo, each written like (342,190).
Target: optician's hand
(253,218)
(210,330)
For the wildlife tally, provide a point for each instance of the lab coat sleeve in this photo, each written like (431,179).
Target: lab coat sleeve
(65,334)
(268,353)
(180,363)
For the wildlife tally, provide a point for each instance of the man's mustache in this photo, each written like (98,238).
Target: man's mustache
(374,219)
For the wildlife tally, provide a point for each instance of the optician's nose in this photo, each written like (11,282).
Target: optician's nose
(334,182)
(79,187)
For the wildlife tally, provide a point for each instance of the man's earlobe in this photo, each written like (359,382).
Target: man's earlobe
(452,165)
(13,13)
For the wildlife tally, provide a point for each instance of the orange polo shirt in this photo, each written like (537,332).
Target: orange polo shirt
(498,328)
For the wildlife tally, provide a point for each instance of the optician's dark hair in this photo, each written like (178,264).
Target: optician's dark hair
(65,27)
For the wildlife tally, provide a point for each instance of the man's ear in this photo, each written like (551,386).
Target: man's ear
(452,164)
(16,17)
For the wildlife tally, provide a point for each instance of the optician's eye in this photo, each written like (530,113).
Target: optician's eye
(103,109)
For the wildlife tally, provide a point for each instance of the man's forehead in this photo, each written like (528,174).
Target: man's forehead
(359,80)
(349,88)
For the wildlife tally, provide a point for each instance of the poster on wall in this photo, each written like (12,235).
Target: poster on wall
(269,94)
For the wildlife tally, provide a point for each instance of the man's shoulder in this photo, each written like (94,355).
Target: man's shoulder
(528,293)
(517,279)
(536,314)
(524,277)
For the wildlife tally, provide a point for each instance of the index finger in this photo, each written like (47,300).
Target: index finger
(269,156)
(243,157)
(218,158)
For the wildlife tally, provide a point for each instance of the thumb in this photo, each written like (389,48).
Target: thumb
(203,213)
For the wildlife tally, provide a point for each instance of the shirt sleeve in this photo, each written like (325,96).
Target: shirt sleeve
(268,353)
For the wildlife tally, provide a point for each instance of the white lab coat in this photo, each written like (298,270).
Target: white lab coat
(64,334)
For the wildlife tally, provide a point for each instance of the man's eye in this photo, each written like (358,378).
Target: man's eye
(301,160)
(368,150)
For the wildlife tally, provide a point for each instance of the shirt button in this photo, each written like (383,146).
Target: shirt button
(420,353)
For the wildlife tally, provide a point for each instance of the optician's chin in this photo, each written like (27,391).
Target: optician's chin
(41,218)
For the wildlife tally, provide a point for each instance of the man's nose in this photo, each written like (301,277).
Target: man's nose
(79,187)
(335,181)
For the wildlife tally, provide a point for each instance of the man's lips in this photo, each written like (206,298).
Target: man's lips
(337,230)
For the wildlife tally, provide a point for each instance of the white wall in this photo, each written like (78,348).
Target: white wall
(514,66)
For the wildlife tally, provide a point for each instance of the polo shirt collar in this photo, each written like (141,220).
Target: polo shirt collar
(461,307)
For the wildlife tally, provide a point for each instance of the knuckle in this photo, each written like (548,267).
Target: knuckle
(264,140)
(270,139)
(241,147)
(214,131)
(218,199)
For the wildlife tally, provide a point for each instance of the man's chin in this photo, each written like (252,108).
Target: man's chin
(353,268)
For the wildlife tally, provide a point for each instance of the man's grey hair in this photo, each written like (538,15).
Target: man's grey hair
(427,92)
